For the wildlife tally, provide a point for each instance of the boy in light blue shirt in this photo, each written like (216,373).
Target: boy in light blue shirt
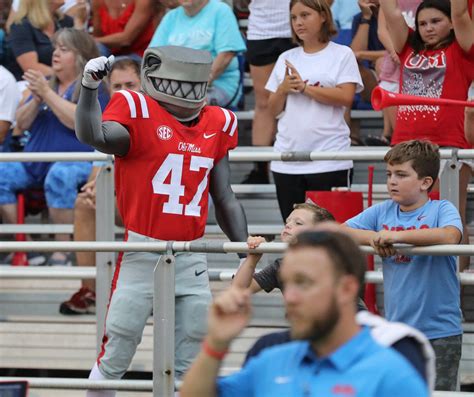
(207,25)
(422,291)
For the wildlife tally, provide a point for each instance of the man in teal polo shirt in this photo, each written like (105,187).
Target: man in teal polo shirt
(331,355)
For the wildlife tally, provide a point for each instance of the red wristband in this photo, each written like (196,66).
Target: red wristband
(218,355)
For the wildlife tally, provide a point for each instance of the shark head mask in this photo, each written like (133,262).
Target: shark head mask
(177,78)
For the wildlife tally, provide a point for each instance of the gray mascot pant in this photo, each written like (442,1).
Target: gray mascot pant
(131,304)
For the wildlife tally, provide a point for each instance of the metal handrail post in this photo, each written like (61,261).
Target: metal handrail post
(449,179)
(164,326)
(449,184)
(105,223)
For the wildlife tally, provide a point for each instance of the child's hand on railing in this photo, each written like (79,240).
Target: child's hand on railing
(253,242)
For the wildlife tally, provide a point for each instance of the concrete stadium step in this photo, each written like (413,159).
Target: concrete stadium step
(34,335)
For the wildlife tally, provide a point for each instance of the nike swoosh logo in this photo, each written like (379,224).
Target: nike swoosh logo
(209,136)
(421,217)
(197,274)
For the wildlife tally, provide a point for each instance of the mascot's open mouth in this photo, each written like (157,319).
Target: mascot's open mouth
(180,89)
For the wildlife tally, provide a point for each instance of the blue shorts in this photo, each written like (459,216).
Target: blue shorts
(60,185)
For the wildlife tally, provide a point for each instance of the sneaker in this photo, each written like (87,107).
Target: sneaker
(64,261)
(82,302)
(36,259)
(256,177)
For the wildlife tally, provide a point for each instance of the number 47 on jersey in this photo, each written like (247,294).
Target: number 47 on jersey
(173,165)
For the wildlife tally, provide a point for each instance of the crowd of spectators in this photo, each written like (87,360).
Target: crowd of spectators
(311,62)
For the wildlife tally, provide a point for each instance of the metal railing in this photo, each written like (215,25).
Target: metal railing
(242,154)
(131,385)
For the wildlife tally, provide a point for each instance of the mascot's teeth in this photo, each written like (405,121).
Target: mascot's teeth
(164,85)
(197,91)
(177,89)
(174,87)
(186,89)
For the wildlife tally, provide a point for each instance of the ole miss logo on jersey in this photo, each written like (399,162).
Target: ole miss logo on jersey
(164,132)
(424,62)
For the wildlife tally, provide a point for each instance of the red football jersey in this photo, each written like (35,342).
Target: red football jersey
(162,183)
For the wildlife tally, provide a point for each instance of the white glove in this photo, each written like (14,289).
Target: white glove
(95,70)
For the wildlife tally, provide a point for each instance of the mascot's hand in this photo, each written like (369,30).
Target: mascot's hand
(95,70)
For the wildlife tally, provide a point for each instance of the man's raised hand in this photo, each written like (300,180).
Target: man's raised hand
(95,70)
(228,316)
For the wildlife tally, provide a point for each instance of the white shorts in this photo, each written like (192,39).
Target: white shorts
(470,94)
(443,163)
(390,86)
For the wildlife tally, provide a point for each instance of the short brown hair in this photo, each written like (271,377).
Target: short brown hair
(424,157)
(320,214)
(328,29)
(125,63)
(346,257)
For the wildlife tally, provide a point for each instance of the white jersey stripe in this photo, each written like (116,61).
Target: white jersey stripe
(234,125)
(143,105)
(131,103)
(227,119)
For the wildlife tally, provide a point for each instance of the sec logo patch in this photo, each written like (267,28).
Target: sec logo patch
(164,132)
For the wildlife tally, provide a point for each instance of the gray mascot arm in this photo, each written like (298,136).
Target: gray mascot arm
(229,212)
(108,137)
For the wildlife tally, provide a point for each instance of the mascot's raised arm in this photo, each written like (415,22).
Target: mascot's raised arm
(171,152)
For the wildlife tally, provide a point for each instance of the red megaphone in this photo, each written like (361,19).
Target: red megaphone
(381,99)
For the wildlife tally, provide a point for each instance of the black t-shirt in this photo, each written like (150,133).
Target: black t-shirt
(268,278)
(374,43)
(24,37)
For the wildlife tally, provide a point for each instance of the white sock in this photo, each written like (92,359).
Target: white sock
(97,375)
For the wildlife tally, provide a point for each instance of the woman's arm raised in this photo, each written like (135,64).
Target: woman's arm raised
(463,26)
(396,24)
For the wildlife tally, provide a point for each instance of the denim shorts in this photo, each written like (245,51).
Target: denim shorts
(60,185)
(216,96)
